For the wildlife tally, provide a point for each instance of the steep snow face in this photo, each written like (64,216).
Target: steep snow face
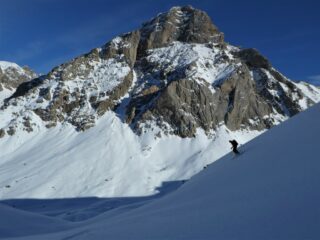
(5,93)
(109,160)
(270,191)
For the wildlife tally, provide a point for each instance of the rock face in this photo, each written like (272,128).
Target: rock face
(184,24)
(12,75)
(175,72)
(203,86)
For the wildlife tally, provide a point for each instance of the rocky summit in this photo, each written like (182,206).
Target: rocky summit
(175,73)
(11,76)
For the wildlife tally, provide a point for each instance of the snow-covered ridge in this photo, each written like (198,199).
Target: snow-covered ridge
(4,65)
(309,90)
(11,76)
(67,94)
(13,72)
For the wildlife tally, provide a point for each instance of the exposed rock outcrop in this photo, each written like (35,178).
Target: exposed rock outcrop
(12,75)
(175,72)
(184,24)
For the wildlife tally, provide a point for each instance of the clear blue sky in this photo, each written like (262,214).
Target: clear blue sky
(44,33)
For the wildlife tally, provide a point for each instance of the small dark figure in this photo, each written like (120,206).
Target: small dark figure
(234,144)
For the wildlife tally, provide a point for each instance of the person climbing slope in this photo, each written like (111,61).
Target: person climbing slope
(234,144)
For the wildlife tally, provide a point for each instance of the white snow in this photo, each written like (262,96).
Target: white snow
(103,161)
(105,76)
(13,73)
(310,91)
(4,65)
(66,170)
(5,93)
(110,160)
(270,191)
(206,67)
(118,42)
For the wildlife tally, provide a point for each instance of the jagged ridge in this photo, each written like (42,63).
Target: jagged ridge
(176,71)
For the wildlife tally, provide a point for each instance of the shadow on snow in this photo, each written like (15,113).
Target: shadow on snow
(84,208)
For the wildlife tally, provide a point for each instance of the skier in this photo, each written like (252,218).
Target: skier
(234,144)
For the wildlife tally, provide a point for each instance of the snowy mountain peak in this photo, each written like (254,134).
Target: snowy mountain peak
(140,109)
(183,24)
(11,76)
(175,73)
(5,65)
(13,72)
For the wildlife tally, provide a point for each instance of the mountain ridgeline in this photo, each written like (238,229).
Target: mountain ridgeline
(175,73)
(11,75)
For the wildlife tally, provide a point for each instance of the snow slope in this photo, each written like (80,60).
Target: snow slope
(103,161)
(109,159)
(27,223)
(268,192)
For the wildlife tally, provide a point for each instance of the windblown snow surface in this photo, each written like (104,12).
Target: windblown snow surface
(270,191)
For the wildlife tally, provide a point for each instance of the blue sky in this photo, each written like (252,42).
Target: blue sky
(45,33)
